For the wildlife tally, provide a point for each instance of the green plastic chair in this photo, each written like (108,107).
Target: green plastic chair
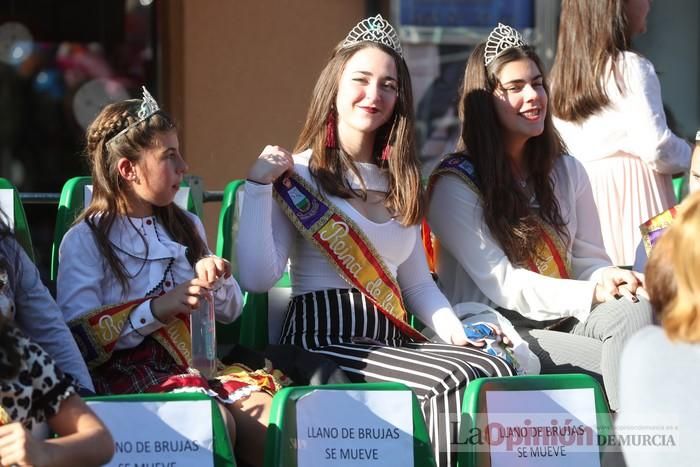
(680,186)
(280,447)
(252,327)
(474,407)
(72,203)
(20,226)
(223,452)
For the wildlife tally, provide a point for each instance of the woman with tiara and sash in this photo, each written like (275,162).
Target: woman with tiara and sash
(516,224)
(344,209)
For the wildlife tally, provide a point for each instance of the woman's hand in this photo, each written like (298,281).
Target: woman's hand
(182,299)
(616,282)
(19,447)
(272,162)
(212,268)
(459,338)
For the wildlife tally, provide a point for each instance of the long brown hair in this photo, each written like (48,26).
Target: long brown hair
(328,166)
(592,34)
(108,197)
(507,211)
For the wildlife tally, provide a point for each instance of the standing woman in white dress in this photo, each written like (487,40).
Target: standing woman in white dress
(607,104)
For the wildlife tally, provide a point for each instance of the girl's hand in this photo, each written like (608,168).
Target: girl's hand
(19,447)
(184,298)
(212,268)
(616,282)
(272,162)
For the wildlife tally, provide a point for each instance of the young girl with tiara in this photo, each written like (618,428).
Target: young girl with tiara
(344,210)
(135,266)
(516,223)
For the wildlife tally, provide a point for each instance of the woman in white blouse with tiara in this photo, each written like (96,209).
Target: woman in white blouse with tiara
(345,209)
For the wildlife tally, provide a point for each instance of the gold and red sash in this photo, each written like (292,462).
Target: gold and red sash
(344,244)
(550,259)
(97,333)
(655,227)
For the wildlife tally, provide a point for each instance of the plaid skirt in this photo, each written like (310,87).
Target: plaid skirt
(150,368)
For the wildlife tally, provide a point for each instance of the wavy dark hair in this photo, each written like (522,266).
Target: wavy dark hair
(506,207)
(108,197)
(592,35)
(328,166)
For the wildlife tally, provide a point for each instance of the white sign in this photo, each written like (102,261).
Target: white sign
(7,204)
(159,434)
(546,428)
(350,428)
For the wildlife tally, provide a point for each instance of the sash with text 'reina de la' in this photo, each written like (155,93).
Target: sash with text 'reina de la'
(97,333)
(550,259)
(344,244)
(655,227)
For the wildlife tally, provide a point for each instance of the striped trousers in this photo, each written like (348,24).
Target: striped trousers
(346,327)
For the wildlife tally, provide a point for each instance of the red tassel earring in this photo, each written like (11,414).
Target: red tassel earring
(386,152)
(331,141)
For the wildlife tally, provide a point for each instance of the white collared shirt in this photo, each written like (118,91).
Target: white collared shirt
(85,281)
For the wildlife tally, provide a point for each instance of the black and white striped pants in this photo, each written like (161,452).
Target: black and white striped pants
(346,327)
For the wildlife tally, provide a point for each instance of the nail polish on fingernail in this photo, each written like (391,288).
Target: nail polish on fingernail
(634,299)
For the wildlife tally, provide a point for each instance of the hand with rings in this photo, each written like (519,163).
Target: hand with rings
(618,283)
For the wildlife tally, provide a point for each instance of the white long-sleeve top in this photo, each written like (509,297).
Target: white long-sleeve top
(472,267)
(633,124)
(267,240)
(85,282)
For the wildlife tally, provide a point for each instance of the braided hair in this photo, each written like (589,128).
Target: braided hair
(106,146)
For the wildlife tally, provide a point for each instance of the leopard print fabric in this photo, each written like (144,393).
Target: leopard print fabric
(38,389)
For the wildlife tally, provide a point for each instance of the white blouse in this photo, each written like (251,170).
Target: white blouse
(151,259)
(472,267)
(267,239)
(634,123)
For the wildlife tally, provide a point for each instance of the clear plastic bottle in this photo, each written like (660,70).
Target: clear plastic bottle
(203,330)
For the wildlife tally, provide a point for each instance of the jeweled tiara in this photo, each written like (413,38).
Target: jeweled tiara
(148,107)
(374,29)
(502,38)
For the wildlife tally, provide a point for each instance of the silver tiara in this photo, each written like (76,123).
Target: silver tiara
(148,107)
(502,38)
(374,29)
